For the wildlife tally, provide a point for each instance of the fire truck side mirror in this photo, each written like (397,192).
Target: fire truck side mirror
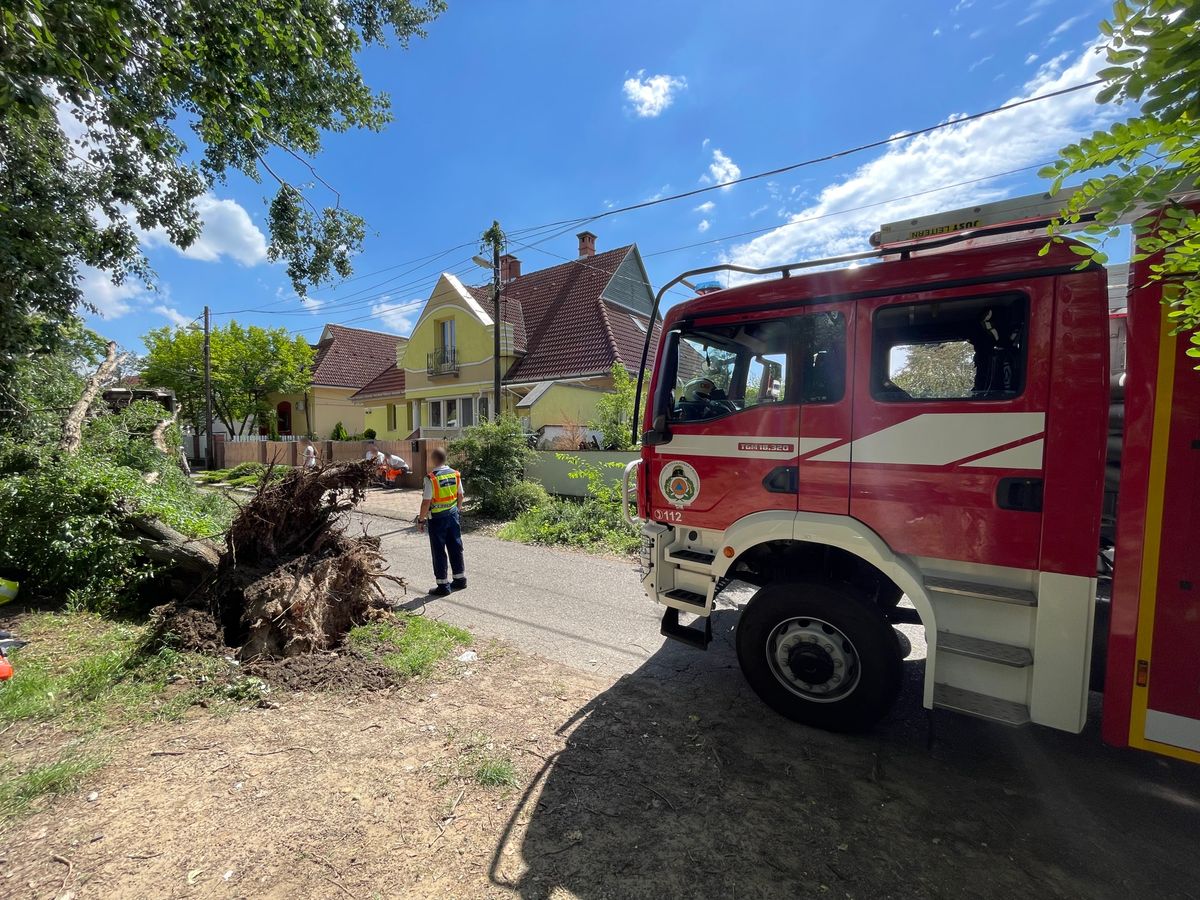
(660,433)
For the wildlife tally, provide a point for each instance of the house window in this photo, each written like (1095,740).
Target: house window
(446,334)
(468,412)
(451,413)
(416,415)
(391,417)
(483,408)
(435,413)
(969,349)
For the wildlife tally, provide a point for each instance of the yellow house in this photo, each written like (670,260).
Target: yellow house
(346,359)
(561,330)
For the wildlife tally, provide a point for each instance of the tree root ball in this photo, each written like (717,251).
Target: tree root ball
(290,580)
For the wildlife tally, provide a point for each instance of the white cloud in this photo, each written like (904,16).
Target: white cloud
(978,33)
(651,96)
(706,207)
(178,319)
(979,62)
(703,225)
(659,194)
(754,213)
(1031,59)
(228,231)
(111,301)
(1066,26)
(721,170)
(398,317)
(1033,16)
(961,5)
(973,150)
(937,32)
(704,143)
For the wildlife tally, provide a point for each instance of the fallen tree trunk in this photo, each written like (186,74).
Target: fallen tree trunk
(72,433)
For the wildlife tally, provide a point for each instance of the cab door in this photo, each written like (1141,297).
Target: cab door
(732,450)
(950,410)
(826,400)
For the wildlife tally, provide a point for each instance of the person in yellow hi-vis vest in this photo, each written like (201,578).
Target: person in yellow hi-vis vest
(440,505)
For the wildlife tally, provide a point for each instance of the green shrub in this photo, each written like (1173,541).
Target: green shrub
(491,457)
(509,502)
(592,523)
(369,434)
(339,433)
(242,470)
(61,520)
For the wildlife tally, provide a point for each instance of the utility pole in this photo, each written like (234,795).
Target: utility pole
(495,237)
(208,435)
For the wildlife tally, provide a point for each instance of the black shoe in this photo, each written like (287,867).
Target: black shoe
(458,584)
(442,590)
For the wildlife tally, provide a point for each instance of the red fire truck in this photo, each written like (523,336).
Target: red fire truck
(930,420)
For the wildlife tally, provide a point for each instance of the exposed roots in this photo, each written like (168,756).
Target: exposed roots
(290,580)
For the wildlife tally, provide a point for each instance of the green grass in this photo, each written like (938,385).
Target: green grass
(88,676)
(83,672)
(19,791)
(409,645)
(495,770)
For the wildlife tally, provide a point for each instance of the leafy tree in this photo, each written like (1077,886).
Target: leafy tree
(615,412)
(43,387)
(491,457)
(1152,51)
(162,99)
(937,370)
(248,364)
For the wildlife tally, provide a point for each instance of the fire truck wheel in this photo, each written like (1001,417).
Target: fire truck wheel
(820,655)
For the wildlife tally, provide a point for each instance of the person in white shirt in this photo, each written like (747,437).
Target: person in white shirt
(310,456)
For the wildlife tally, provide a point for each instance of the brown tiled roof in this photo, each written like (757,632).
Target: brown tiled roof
(352,357)
(570,329)
(511,312)
(388,383)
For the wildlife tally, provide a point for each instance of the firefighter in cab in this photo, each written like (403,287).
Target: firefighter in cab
(441,503)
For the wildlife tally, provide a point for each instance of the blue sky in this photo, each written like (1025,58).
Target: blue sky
(533,112)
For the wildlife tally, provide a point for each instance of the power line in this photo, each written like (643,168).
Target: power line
(841,212)
(818,159)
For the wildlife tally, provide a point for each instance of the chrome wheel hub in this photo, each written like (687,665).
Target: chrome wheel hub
(813,659)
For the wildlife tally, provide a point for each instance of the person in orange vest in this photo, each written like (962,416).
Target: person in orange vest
(441,503)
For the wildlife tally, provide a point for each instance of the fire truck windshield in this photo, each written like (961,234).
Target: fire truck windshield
(721,369)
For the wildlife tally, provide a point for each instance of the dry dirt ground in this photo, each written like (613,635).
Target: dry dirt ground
(643,786)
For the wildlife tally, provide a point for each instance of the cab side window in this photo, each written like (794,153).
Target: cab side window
(968,349)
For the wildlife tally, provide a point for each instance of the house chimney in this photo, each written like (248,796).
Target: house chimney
(510,268)
(587,244)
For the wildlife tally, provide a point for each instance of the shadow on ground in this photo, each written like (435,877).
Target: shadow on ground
(678,782)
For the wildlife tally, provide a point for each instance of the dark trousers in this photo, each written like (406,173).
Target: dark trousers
(445,540)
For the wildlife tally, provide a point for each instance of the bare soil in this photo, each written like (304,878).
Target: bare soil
(647,786)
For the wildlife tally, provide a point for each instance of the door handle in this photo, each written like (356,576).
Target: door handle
(1024,494)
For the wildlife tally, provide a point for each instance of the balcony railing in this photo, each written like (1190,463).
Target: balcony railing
(443,361)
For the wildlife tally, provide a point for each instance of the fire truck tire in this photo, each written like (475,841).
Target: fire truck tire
(819,654)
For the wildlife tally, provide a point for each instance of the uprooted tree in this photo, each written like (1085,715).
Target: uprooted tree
(101,516)
(289,579)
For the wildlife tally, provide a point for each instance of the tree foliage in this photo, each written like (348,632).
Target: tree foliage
(937,370)
(491,457)
(1152,50)
(615,411)
(116,115)
(248,364)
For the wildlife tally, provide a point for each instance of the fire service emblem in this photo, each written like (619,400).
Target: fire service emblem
(679,483)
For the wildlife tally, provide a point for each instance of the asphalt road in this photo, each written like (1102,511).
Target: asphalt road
(586,611)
